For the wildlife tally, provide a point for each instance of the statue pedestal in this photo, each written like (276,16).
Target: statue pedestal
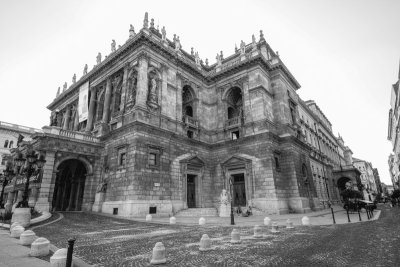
(225,210)
(23,216)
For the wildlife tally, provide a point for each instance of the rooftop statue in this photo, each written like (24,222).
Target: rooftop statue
(218,57)
(98,58)
(65,86)
(146,21)
(74,79)
(85,69)
(113,46)
(261,35)
(197,58)
(131,31)
(242,48)
(58,92)
(152,24)
(163,33)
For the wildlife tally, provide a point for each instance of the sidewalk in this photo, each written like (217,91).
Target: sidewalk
(16,255)
(323,217)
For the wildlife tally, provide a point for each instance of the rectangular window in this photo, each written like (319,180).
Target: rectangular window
(152,159)
(122,159)
(235,135)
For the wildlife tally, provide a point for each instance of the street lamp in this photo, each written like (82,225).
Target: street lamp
(33,163)
(230,191)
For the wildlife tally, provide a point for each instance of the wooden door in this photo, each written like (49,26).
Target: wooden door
(239,191)
(191,191)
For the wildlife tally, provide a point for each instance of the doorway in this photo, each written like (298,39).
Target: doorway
(191,190)
(239,190)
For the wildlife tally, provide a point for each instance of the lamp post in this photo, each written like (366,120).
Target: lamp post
(230,191)
(33,163)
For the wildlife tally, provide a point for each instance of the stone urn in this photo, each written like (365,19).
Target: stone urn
(23,216)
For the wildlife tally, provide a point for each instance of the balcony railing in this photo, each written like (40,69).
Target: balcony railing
(190,121)
(232,122)
(70,134)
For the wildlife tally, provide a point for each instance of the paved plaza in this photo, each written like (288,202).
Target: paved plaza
(109,241)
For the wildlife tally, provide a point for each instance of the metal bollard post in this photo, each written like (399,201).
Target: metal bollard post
(71,242)
(333,215)
(359,215)
(367,209)
(347,211)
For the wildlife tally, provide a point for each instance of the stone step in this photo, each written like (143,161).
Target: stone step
(198,212)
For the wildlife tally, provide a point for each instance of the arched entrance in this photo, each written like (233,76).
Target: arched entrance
(69,187)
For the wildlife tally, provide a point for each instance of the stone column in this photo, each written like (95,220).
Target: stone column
(67,116)
(76,121)
(142,83)
(106,107)
(92,104)
(164,91)
(124,88)
(48,179)
(10,200)
(72,196)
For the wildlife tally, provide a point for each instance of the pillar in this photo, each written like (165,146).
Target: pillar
(67,117)
(164,90)
(106,107)
(89,125)
(43,202)
(72,196)
(76,120)
(124,88)
(142,83)
(10,200)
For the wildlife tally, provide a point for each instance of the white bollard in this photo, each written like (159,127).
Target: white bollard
(17,231)
(40,247)
(59,258)
(205,243)
(202,221)
(235,236)
(172,220)
(305,220)
(257,231)
(267,221)
(274,228)
(158,254)
(289,224)
(149,218)
(27,237)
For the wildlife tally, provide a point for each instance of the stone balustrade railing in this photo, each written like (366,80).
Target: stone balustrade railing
(70,134)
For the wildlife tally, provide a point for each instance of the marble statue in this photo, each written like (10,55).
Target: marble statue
(207,62)
(113,44)
(85,69)
(242,48)
(98,58)
(58,92)
(131,31)
(197,58)
(74,79)
(177,43)
(192,52)
(132,82)
(219,62)
(261,35)
(225,206)
(146,21)
(152,23)
(163,33)
(153,91)
(65,86)
(253,38)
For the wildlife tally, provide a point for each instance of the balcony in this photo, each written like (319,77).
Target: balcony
(234,122)
(70,134)
(190,121)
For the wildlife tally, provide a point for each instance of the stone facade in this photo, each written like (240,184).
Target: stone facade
(167,132)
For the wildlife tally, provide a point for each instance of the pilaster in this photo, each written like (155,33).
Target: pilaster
(67,117)
(142,83)
(107,100)
(89,125)
(44,199)
(124,88)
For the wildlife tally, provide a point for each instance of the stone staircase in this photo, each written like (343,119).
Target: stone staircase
(197,212)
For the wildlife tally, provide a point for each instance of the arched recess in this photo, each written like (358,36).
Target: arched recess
(100,105)
(69,185)
(234,103)
(154,88)
(189,105)
(237,173)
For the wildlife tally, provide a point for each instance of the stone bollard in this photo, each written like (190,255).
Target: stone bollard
(17,231)
(40,247)
(289,224)
(172,220)
(22,215)
(14,224)
(235,236)
(202,221)
(149,218)
(257,232)
(274,228)
(205,243)
(27,237)
(305,220)
(267,221)
(59,258)
(158,254)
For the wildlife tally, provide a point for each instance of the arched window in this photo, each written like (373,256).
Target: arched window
(234,102)
(6,144)
(11,144)
(187,101)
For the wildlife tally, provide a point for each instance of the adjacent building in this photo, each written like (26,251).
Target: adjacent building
(368,179)
(155,129)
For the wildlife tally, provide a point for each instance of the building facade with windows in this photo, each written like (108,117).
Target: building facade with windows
(154,129)
(10,135)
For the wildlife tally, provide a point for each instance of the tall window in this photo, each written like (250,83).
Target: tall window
(11,144)
(187,101)
(6,144)
(235,103)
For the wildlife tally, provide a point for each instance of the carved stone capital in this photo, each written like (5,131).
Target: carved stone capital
(144,56)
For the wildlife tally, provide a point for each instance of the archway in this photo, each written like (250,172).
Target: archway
(69,187)
(234,103)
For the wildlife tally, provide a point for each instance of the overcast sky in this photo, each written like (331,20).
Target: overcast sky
(345,54)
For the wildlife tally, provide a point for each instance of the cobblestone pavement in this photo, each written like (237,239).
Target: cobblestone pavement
(107,241)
